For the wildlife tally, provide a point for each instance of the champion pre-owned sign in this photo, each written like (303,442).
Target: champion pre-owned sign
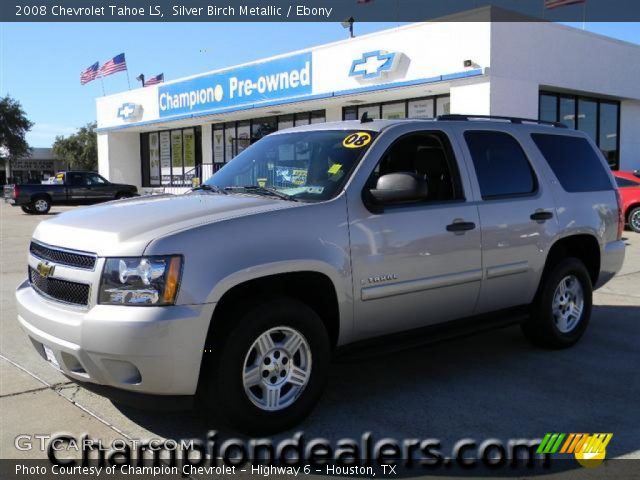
(272,80)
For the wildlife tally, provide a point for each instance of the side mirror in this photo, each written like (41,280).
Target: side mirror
(399,187)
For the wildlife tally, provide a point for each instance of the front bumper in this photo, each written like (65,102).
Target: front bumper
(611,262)
(155,350)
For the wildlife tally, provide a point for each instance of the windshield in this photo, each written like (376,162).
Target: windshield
(310,166)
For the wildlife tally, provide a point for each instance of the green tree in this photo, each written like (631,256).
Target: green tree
(79,150)
(14,126)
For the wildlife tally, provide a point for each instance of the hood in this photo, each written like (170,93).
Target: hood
(126,227)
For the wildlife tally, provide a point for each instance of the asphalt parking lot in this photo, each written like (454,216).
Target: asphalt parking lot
(492,385)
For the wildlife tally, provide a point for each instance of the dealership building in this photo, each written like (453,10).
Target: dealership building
(164,135)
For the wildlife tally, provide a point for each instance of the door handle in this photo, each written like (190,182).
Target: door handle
(541,216)
(460,227)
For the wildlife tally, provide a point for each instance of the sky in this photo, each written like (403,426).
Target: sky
(40,64)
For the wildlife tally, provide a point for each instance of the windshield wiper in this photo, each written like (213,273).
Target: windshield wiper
(261,191)
(209,188)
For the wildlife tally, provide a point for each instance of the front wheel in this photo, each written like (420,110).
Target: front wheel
(271,369)
(634,220)
(41,205)
(562,308)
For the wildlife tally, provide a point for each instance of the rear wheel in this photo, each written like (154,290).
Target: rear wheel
(562,308)
(27,209)
(271,369)
(41,205)
(634,219)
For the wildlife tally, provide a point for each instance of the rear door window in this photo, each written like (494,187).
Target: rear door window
(574,162)
(501,165)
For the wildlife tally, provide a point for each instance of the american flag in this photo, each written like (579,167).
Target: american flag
(89,74)
(549,4)
(154,80)
(115,65)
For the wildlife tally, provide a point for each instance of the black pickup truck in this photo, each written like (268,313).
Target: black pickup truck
(70,188)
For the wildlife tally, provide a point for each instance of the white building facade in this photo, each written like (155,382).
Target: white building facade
(165,135)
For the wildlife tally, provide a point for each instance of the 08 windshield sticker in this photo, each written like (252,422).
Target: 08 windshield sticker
(357,140)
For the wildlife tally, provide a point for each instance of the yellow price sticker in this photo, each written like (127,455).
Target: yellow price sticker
(335,168)
(357,140)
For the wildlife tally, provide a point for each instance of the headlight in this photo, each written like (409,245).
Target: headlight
(140,281)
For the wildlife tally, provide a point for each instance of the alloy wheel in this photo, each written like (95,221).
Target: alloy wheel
(568,304)
(277,368)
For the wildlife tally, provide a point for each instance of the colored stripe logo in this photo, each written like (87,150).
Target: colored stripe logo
(574,443)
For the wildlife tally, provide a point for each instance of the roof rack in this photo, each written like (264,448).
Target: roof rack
(517,120)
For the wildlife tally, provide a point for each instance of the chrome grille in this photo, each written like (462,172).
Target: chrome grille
(63,257)
(61,290)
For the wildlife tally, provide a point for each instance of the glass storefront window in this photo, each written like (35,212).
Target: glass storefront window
(548,108)
(373,111)
(218,144)
(443,106)
(302,119)
(568,112)
(597,118)
(318,116)
(285,121)
(243,139)
(392,111)
(609,128)
(154,159)
(229,141)
(177,168)
(165,157)
(350,113)
(421,108)
(588,117)
(262,127)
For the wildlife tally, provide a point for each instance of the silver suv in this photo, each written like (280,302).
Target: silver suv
(240,292)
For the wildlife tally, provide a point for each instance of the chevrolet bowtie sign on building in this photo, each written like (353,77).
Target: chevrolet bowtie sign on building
(130,112)
(374,64)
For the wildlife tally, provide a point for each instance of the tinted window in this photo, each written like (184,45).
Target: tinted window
(75,179)
(574,161)
(501,165)
(428,156)
(623,182)
(548,108)
(568,111)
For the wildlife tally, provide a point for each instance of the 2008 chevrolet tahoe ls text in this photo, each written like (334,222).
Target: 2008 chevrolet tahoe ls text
(317,237)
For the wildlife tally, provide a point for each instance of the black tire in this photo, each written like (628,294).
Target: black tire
(223,383)
(27,209)
(120,196)
(541,328)
(41,205)
(634,219)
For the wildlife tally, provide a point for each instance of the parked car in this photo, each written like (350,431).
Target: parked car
(321,237)
(629,187)
(69,188)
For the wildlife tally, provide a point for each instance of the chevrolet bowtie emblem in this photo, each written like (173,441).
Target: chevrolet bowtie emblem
(45,269)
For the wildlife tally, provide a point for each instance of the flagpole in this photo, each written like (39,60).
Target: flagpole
(102,83)
(128,81)
(584,15)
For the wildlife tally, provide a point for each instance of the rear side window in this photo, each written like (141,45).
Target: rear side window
(501,165)
(574,162)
